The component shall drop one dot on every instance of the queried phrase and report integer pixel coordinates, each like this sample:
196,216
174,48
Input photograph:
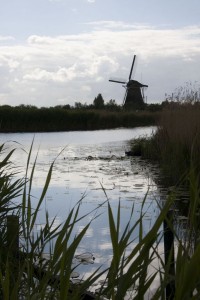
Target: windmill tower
134,94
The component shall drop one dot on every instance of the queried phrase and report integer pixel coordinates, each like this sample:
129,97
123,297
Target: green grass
127,270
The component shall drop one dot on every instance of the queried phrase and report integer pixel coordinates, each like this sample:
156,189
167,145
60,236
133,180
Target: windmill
134,94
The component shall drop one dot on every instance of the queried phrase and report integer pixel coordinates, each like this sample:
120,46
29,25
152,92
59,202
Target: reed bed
176,143
179,139
31,119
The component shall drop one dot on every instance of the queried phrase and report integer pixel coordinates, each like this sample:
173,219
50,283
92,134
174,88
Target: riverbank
176,143
32,119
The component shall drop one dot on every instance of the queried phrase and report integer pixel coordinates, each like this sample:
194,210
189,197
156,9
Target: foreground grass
26,275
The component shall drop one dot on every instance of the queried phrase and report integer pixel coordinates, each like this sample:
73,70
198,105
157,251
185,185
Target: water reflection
92,166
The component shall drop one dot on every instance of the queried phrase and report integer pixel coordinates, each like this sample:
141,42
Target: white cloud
86,88
77,67
61,75
119,25
6,38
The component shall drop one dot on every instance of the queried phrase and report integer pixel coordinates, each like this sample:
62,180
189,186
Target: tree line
98,115
98,103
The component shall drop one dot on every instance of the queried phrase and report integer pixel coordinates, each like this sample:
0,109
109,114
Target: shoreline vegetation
175,145
32,119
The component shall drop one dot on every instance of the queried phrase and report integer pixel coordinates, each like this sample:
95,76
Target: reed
128,272
32,119
176,143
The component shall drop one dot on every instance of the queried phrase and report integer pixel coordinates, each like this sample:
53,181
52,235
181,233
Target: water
91,165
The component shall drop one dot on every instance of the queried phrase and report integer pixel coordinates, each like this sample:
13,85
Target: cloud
44,69
6,38
119,25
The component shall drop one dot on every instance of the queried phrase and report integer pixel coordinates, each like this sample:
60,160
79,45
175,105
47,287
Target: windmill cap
135,83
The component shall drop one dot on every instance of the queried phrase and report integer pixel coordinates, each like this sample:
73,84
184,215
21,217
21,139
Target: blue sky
56,52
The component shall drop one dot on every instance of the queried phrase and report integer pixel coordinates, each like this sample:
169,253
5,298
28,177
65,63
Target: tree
78,105
98,102
112,105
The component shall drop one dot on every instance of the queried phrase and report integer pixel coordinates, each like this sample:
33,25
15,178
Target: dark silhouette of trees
98,102
111,105
25,118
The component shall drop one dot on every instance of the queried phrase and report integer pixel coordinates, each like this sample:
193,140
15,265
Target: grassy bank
32,119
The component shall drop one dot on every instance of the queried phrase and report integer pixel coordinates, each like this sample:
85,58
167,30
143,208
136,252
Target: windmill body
134,94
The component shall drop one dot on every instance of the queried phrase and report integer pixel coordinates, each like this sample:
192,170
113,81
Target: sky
58,52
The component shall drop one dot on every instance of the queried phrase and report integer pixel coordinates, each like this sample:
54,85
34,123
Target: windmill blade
118,81
125,95
132,68
142,90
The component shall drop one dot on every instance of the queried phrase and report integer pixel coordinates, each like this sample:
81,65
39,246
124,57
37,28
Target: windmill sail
112,80
131,71
125,95
118,80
